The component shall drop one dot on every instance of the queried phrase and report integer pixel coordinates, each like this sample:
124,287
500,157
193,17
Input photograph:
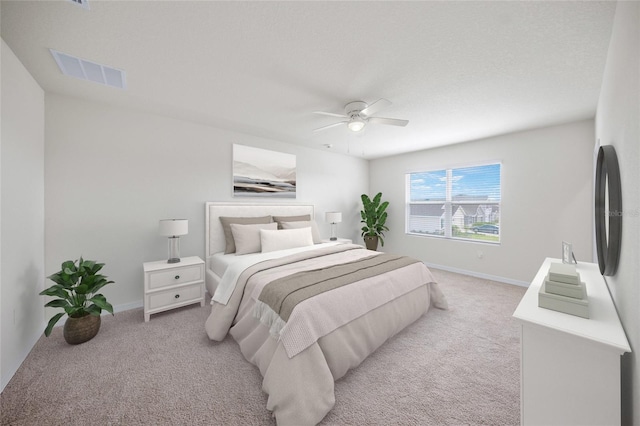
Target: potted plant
76,289
374,217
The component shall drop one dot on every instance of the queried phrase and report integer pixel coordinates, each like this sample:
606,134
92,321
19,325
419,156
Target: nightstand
339,241
172,285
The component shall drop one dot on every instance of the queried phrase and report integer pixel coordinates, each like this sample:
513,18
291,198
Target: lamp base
334,232
174,250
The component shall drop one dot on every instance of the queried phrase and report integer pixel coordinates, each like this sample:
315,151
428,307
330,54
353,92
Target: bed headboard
213,210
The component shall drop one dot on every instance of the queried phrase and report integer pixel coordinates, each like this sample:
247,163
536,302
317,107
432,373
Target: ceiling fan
358,114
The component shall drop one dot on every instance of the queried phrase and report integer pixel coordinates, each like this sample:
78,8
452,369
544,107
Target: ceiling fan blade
392,121
375,107
330,126
331,114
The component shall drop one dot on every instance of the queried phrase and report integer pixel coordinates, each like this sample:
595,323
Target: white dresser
172,285
570,366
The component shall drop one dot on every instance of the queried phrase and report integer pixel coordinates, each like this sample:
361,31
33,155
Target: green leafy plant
76,286
374,216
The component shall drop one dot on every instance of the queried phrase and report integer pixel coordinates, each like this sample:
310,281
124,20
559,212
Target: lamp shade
174,227
333,217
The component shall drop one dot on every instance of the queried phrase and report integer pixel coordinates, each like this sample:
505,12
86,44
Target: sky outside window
427,186
477,182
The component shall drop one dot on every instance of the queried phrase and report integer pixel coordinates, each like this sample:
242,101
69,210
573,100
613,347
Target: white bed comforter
325,335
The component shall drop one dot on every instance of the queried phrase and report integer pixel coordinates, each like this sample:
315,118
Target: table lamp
173,228
333,218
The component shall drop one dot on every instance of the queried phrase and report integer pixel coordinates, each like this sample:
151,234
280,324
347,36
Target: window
462,203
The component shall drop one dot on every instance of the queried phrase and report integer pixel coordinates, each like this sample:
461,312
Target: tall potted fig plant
374,217
76,290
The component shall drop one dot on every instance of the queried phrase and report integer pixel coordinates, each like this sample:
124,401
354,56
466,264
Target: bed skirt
301,388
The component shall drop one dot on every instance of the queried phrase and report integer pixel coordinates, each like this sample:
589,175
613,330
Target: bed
304,314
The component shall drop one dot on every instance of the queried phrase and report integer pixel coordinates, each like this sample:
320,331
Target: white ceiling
458,71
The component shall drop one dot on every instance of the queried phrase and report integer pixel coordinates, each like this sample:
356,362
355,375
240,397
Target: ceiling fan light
356,124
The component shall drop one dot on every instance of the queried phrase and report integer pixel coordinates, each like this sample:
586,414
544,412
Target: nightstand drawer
175,296
175,276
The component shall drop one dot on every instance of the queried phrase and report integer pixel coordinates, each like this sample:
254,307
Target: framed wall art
263,173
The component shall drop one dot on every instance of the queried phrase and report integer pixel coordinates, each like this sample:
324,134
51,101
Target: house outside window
459,203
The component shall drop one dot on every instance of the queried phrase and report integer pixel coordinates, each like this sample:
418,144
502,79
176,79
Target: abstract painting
263,173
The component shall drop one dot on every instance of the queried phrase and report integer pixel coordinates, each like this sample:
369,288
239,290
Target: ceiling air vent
83,3
87,70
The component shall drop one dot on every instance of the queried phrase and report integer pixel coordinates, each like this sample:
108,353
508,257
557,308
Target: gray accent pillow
230,245
281,219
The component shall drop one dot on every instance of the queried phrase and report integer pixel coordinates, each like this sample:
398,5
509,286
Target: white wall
618,124
111,174
546,198
22,217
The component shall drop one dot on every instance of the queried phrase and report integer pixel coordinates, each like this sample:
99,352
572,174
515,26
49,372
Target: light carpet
453,367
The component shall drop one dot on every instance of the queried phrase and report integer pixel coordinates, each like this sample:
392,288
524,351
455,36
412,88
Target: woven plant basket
80,330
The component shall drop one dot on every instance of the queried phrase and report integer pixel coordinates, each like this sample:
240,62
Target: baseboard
116,309
478,275
127,307
8,375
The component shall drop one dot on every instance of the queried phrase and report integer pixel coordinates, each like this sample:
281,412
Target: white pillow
285,239
247,237
304,224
